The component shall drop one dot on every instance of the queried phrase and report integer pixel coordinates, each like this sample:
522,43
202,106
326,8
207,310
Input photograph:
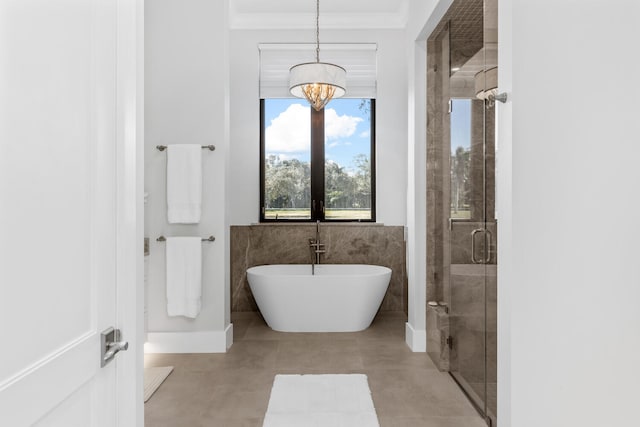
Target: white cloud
365,134
338,143
290,131
339,126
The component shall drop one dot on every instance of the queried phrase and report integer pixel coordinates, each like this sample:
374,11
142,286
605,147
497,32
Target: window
460,123
317,165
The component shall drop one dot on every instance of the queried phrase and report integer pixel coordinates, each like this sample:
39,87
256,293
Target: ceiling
471,27
334,14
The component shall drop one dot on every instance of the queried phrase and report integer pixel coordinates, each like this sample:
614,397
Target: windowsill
323,223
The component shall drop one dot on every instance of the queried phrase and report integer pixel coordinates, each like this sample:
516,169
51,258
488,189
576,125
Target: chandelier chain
318,82
317,30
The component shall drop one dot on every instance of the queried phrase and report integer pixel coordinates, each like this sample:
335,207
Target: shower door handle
473,245
487,246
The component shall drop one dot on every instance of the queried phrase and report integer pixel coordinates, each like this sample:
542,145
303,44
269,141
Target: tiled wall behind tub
345,243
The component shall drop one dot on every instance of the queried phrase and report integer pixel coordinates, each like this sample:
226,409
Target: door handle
473,245
487,245
110,345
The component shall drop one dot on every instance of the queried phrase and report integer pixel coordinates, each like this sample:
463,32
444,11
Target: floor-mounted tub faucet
317,248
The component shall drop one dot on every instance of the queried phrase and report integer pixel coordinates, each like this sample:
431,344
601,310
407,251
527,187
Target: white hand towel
184,276
184,183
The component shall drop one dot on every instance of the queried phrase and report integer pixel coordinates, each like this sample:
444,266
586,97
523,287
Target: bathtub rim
262,270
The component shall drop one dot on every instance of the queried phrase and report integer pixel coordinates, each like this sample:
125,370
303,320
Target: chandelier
318,82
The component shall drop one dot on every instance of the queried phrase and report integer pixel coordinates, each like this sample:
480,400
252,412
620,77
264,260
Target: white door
62,154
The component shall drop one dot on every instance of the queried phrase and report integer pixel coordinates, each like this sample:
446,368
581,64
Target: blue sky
347,130
350,129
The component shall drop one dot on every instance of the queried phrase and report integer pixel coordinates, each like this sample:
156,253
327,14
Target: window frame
317,165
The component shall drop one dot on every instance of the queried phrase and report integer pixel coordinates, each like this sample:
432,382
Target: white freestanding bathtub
338,298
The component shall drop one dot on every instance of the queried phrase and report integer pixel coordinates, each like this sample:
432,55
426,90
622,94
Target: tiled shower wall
262,244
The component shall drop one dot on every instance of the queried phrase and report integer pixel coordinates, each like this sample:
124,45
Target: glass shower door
471,254
471,291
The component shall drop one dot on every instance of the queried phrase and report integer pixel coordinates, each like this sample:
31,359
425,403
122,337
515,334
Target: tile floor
232,389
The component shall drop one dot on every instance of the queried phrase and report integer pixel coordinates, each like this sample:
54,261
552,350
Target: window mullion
317,164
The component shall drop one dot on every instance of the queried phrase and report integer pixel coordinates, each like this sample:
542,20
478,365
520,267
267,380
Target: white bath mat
153,377
320,401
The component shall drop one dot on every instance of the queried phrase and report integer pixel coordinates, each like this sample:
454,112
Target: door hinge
450,106
450,342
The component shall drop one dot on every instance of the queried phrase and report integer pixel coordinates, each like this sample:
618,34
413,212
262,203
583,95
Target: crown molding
335,21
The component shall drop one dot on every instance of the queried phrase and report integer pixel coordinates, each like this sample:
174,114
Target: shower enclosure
461,221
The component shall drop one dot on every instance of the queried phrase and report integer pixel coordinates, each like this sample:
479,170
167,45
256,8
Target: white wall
504,202
418,29
391,111
568,177
567,174
185,100
416,229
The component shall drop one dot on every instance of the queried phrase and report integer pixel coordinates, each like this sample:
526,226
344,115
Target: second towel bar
208,239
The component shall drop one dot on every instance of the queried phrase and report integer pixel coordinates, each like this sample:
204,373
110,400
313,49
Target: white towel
184,276
184,183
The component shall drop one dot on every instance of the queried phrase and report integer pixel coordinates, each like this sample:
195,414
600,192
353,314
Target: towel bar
208,239
208,147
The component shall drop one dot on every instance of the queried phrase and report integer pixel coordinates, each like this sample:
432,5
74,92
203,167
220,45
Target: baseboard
416,339
229,335
190,342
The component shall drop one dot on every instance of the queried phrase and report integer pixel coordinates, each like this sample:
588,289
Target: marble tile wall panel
467,354
476,172
482,198
261,244
471,286
437,162
437,333
492,328
490,163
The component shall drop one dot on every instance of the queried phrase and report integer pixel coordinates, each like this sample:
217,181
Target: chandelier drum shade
317,82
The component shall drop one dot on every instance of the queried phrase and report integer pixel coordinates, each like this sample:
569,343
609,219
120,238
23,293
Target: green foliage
365,107
287,184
